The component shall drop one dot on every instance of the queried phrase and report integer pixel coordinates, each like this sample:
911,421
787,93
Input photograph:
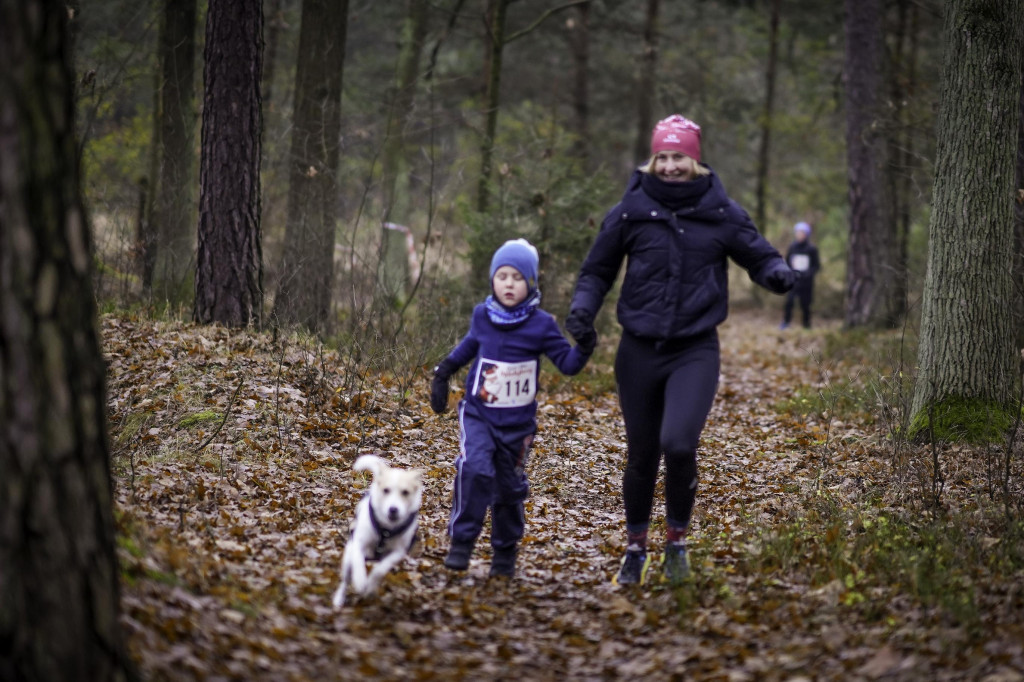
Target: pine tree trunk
229,270
1018,232
274,22
966,355
496,45
645,85
764,151
579,40
174,208
59,594
273,165
406,78
871,252
307,268
900,140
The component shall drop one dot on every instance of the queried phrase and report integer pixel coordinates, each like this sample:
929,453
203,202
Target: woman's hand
779,281
580,324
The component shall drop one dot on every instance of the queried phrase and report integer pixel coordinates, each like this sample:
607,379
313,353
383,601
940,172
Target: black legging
666,390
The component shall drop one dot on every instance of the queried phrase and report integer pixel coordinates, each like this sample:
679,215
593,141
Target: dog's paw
339,597
358,584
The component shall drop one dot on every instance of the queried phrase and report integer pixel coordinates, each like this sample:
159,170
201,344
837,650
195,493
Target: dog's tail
369,463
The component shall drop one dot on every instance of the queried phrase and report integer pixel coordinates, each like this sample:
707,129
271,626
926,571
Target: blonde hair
699,169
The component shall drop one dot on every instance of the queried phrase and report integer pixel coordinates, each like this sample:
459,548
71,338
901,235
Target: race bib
800,262
505,384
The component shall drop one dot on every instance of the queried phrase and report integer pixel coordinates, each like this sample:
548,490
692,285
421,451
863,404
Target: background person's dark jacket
805,248
676,282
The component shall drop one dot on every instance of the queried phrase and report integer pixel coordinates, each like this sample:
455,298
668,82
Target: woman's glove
580,324
587,342
781,280
439,392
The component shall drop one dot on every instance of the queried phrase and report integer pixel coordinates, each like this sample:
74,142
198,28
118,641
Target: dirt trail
232,552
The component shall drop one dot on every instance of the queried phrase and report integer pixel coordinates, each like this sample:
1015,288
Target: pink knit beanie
678,134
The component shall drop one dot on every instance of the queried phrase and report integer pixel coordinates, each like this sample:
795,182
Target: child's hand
439,394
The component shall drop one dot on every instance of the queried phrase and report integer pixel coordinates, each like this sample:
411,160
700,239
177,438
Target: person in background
508,333
802,256
677,228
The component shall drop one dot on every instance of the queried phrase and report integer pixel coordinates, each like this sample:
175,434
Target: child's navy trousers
490,472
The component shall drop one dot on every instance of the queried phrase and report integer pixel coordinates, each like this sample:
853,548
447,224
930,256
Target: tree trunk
645,85
229,271
1018,216
764,151
497,11
900,141
870,253
273,16
307,268
414,32
966,356
59,594
496,44
173,218
579,42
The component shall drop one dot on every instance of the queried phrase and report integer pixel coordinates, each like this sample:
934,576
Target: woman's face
509,286
674,167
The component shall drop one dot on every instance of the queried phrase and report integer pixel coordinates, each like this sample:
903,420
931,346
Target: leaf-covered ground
233,457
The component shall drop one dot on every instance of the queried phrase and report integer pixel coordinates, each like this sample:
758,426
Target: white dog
387,519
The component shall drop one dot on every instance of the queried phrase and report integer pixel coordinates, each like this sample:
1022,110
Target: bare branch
542,18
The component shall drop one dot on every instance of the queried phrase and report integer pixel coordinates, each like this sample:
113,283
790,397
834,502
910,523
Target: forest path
231,552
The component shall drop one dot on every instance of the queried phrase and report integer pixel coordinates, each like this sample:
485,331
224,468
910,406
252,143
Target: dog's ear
418,473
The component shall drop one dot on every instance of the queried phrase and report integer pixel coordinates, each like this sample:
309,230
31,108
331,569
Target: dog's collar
388,533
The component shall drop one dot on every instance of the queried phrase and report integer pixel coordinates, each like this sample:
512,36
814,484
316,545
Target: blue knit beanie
520,254
802,227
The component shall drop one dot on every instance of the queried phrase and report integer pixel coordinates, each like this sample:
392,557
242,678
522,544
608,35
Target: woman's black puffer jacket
676,282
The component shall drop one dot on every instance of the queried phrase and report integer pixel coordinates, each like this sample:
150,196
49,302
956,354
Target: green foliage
115,49
131,426
879,385
871,348
200,419
543,193
134,553
865,377
964,420
937,561
846,399
115,161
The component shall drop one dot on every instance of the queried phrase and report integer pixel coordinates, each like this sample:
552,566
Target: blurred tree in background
304,293
168,236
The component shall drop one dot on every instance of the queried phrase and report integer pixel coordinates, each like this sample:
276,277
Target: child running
508,333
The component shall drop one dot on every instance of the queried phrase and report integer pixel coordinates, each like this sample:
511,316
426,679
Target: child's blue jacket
501,385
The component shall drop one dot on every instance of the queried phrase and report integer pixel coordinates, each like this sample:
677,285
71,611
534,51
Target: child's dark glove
580,323
439,392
